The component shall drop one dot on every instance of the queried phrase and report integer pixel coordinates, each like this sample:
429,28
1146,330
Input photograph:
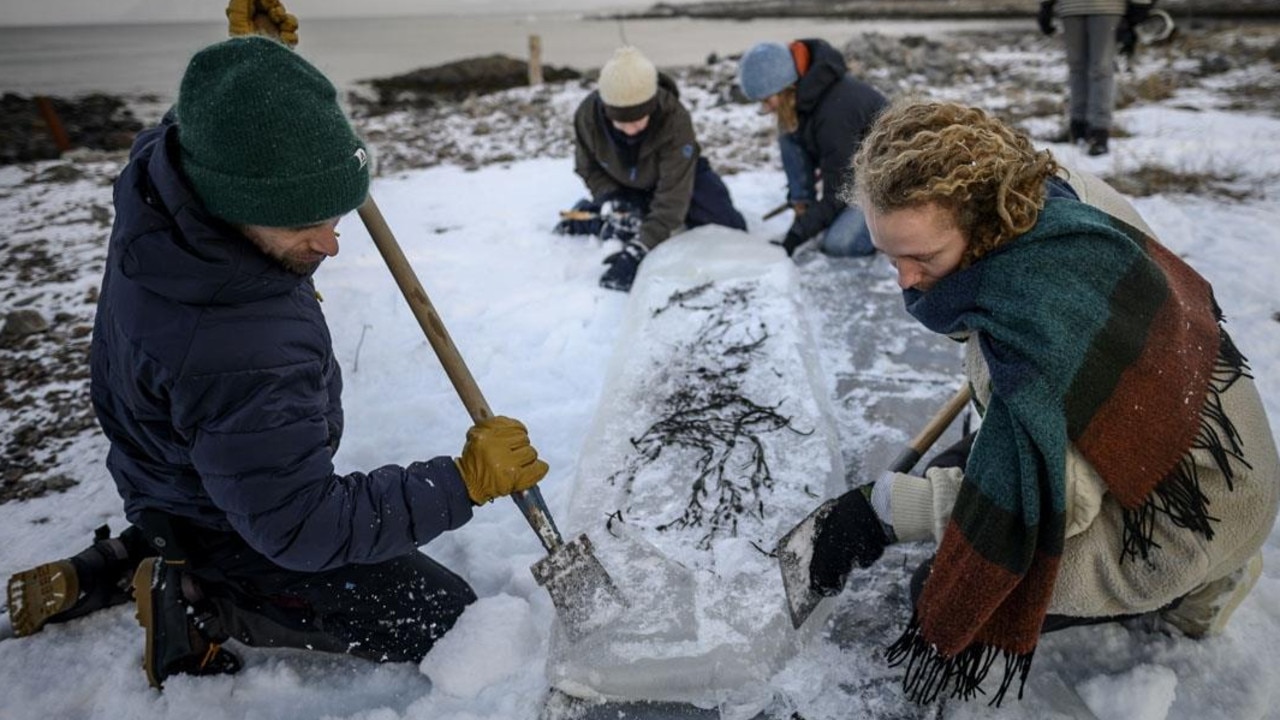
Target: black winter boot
97,577
1073,133
1098,141
175,642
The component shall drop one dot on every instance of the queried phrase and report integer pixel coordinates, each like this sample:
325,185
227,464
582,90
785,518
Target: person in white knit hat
637,153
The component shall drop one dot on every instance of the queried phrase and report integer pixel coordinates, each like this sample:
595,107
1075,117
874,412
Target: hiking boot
174,643
96,578
1072,133
1098,142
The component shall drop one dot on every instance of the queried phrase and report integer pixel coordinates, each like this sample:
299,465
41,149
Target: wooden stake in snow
535,60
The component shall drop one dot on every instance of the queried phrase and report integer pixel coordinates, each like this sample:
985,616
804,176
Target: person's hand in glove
850,532
1045,18
790,241
583,219
498,460
622,267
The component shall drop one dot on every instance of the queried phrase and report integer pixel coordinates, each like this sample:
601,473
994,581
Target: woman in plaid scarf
1124,465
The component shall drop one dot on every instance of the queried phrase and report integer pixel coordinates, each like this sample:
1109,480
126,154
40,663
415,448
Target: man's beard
299,263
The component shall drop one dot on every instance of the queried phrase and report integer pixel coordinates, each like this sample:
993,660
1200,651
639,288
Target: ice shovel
795,549
584,595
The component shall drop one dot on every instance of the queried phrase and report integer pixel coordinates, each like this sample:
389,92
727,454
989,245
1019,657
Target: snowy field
538,333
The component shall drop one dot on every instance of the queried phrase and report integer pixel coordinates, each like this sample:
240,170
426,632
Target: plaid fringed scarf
1095,335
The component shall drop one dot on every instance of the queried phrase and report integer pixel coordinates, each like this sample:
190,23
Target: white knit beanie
628,80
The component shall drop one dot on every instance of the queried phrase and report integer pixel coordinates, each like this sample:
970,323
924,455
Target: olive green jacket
664,163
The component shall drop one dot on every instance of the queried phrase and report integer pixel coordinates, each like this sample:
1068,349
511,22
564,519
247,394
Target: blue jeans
847,235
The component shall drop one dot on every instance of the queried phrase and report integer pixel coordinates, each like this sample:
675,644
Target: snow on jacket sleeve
262,449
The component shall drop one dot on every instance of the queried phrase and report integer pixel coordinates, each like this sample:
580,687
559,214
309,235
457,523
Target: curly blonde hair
987,174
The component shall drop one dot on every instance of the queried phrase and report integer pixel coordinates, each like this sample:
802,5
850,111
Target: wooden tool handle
928,435
530,501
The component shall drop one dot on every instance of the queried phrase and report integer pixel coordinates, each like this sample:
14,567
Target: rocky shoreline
1181,10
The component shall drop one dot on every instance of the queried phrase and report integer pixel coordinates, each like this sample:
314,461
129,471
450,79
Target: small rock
21,323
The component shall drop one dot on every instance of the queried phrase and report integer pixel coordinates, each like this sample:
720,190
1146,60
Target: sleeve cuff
912,505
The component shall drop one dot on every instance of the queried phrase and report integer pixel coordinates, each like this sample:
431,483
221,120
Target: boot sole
38,594
143,583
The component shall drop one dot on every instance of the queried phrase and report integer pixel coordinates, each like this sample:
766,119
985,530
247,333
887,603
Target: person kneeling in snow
1124,465
823,113
214,379
636,151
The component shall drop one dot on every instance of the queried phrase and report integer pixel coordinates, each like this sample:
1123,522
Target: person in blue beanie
214,379
823,113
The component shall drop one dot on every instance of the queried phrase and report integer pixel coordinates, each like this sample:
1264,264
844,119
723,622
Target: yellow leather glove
262,17
498,460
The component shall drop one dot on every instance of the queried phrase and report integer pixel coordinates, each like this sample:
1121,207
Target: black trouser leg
392,611
711,203
389,611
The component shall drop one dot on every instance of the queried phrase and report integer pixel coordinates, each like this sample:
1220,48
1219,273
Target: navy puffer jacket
215,381
835,110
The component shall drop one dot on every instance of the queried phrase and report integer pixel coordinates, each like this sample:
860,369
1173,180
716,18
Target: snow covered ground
524,308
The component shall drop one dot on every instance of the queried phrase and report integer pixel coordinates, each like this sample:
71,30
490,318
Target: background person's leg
1075,39
1100,37
848,235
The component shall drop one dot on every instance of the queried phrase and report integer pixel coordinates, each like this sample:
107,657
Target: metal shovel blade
581,590
795,551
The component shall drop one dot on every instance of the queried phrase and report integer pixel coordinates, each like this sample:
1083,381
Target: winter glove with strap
262,17
850,532
498,460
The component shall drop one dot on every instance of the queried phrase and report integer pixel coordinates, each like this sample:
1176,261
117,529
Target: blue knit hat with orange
263,139
766,69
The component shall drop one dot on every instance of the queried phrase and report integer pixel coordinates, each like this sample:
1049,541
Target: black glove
1136,13
581,225
791,241
622,267
1045,18
1126,38
849,533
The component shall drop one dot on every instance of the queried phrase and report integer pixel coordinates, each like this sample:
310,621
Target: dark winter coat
835,112
662,163
213,376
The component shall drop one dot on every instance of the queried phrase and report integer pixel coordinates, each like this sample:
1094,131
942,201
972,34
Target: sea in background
149,59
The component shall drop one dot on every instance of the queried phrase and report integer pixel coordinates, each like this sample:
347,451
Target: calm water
150,58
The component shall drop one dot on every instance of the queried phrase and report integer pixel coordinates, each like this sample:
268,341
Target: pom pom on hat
263,139
766,69
628,85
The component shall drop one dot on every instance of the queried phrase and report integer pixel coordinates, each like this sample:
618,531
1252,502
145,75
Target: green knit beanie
263,139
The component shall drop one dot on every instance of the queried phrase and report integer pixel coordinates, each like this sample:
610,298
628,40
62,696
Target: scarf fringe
1179,495
929,674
